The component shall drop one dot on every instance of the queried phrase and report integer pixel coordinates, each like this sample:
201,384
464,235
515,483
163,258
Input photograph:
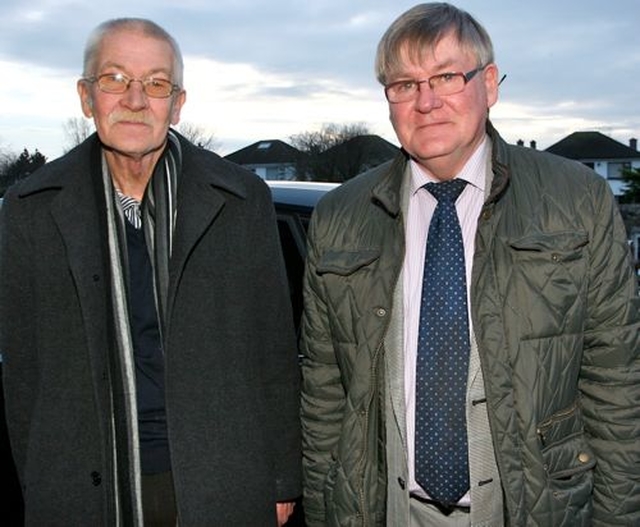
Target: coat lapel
198,205
201,198
76,212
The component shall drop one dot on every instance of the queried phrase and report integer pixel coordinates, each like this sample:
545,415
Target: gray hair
139,25
421,28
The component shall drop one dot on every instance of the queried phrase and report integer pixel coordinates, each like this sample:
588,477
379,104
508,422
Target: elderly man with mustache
150,359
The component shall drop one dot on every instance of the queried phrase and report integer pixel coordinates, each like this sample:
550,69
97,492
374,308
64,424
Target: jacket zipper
555,418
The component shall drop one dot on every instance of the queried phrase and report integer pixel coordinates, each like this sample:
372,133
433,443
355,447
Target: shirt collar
131,209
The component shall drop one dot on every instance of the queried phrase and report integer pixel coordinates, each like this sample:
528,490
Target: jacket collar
387,192
499,164
86,156
69,172
197,170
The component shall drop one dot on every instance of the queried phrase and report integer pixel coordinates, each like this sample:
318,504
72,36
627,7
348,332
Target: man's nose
135,97
426,99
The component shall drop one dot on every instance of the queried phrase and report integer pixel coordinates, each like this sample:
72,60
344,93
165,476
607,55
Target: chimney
533,145
633,143
520,142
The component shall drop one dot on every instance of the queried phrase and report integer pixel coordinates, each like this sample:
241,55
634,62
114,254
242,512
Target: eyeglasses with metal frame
447,83
115,83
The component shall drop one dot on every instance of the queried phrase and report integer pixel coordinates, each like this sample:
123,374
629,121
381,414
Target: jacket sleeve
323,396
610,373
17,328
279,370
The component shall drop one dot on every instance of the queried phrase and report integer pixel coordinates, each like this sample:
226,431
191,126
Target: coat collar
206,183
70,172
387,192
499,164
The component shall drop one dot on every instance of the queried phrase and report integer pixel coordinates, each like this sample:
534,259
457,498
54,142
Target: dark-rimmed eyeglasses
119,83
441,84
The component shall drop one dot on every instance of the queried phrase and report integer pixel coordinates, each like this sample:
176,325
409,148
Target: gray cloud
583,57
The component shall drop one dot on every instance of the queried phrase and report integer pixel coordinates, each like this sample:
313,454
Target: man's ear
180,99
86,101
491,84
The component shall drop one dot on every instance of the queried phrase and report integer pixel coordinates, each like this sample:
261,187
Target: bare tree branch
198,136
317,163
76,130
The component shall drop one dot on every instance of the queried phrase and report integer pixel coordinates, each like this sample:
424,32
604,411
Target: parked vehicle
294,202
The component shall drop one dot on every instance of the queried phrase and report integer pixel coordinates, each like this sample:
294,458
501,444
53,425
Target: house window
614,170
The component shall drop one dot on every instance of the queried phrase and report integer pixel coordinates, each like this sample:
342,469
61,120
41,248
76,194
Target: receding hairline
141,26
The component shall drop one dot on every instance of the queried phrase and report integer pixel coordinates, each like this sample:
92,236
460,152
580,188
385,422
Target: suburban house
603,154
270,159
355,156
277,160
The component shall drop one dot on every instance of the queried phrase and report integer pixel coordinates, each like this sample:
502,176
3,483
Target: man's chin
134,149
430,151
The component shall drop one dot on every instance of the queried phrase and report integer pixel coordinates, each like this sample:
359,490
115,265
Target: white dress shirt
420,210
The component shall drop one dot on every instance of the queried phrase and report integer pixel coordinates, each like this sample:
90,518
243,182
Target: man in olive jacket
553,387
150,364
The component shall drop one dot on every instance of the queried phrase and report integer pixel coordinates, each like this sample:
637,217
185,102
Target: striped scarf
159,212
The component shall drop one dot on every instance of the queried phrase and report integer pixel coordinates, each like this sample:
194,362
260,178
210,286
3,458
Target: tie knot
447,190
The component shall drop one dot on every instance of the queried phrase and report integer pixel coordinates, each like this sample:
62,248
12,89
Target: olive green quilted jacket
556,316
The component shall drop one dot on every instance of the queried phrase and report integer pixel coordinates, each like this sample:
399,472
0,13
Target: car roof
299,193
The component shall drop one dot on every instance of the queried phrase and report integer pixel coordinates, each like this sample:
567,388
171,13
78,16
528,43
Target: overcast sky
258,69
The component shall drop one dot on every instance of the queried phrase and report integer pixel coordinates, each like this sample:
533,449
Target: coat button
583,457
96,478
381,312
402,483
486,215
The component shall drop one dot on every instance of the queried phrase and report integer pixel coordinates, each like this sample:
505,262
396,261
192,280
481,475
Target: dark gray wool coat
231,370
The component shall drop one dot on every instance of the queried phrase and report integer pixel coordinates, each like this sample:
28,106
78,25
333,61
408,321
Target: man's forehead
114,49
123,36
444,53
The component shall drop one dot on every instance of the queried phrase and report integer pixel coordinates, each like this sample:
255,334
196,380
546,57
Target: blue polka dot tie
441,459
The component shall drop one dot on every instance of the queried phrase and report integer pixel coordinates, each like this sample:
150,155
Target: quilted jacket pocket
568,463
347,276
548,281
563,246
344,263
564,447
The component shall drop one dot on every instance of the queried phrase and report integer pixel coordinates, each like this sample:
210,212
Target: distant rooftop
265,152
373,148
593,145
